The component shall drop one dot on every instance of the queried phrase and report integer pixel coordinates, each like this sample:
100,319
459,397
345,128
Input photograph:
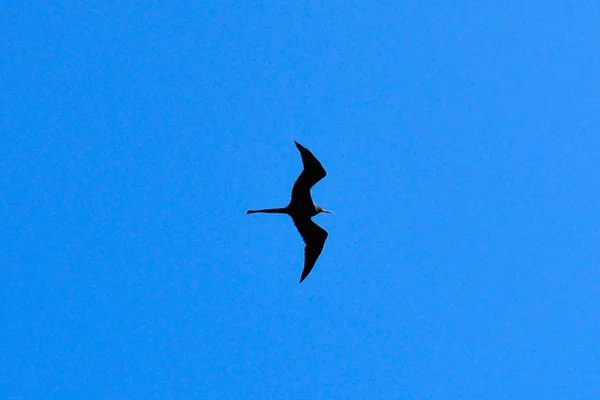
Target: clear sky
461,143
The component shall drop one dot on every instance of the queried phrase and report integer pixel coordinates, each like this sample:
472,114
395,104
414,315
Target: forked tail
269,210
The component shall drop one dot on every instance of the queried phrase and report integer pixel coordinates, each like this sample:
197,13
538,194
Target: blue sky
461,144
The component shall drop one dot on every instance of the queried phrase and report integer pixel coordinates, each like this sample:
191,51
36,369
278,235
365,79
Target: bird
302,208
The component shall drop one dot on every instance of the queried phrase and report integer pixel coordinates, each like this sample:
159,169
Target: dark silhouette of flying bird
302,209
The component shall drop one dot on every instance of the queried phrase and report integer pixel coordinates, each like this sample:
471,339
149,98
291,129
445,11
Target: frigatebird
302,209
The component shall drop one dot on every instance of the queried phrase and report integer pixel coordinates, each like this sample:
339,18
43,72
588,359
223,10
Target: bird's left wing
312,173
314,236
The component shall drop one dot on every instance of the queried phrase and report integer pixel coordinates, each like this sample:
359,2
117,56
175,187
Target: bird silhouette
302,208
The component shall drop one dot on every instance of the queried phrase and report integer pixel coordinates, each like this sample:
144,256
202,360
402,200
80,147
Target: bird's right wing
314,236
312,173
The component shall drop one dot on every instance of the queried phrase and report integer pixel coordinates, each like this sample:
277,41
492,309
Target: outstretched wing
314,236
312,173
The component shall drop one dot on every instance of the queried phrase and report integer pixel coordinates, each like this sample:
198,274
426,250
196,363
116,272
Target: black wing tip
305,273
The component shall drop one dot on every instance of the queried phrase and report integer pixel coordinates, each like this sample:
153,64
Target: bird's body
302,208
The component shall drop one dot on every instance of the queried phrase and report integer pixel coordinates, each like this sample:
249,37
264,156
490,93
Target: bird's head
322,210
